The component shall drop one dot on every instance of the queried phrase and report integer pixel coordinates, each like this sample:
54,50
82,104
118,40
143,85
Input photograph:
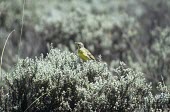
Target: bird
83,53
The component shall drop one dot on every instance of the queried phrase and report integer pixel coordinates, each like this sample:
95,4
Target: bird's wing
89,54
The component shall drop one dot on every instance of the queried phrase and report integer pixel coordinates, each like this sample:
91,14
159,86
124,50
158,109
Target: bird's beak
76,42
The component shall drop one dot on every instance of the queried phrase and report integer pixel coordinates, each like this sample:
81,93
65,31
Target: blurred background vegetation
136,32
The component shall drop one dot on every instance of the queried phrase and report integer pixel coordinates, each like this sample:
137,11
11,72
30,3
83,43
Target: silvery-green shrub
62,82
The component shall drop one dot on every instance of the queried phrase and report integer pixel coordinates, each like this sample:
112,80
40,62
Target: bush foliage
62,82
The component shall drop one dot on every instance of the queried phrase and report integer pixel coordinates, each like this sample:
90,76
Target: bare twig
134,51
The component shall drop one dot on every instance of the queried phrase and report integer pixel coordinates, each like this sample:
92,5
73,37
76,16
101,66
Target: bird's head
79,45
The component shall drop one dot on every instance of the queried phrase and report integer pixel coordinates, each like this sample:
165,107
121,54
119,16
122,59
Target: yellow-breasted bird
83,53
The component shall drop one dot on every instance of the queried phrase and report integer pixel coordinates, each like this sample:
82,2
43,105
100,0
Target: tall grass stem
22,25
3,53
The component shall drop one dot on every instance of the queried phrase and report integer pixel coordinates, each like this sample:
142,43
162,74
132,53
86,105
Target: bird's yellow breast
83,54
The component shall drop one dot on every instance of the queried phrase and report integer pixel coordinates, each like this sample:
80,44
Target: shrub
157,59
62,82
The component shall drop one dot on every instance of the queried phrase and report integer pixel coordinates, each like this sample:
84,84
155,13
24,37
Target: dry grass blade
3,52
34,102
22,25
